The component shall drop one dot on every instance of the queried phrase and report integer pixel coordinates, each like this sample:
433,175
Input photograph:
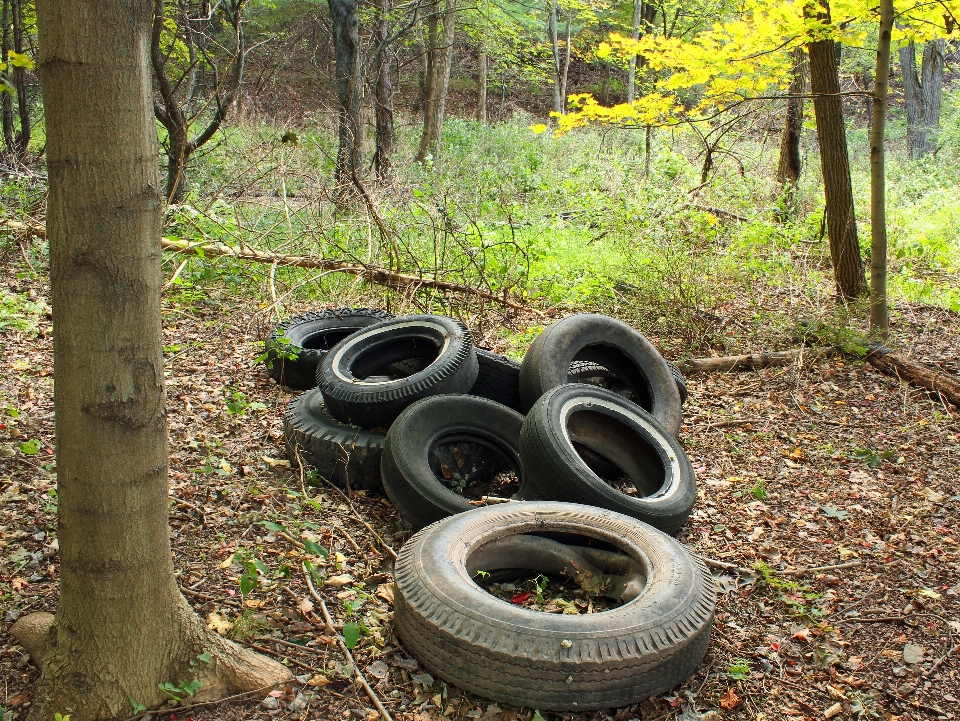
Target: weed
739,670
759,490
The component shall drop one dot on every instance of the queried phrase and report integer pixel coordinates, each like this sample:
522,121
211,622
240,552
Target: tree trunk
178,156
566,70
20,83
482,87
558,104
385,129
790,165
429,80
6,101
835,165
879,320
122,626
922,95
344,17
442,82
632,67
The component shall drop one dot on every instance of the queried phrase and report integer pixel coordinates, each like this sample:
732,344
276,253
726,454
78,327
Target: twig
942,659
214,702
176,273
376,535
346,651
853,605
717,564
206,597
816,569
295,662
728,424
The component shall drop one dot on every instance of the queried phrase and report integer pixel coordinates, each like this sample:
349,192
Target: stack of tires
582,431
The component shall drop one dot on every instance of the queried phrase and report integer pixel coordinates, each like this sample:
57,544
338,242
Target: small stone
298,704
912,653
906,689
834,710
270,703
305,678
12,615
711,716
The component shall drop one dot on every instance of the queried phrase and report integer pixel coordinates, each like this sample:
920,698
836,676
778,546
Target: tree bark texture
384,97
922,94
444,65
835,166
558,104
22,141
174,107
879,319
791,163
121,626
344,16
482,62
6,101
430,79
566,70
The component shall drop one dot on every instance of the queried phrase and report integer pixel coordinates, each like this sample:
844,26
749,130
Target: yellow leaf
538,128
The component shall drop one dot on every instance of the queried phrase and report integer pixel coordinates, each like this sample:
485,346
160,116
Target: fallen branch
899,366
380,276
817,569
755,360
35,229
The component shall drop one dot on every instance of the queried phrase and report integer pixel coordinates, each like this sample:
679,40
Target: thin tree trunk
879,320
632,67
384,113
558,104
122,626
482,87
647,146
344,17
790,165
922,94
20,83
566,70
429,80
835,166
444,65
6,101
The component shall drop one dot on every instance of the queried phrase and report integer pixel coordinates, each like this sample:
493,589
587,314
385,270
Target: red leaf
521,597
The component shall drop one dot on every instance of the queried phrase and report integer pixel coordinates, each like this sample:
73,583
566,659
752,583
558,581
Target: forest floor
828,507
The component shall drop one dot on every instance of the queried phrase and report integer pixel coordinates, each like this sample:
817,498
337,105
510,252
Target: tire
578,440
597,375
609,343
353,397
346,456
546,661
419,474
309,337
498,379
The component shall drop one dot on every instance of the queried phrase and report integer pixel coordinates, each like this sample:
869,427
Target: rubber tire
344,455
546,661
498,379
311,329
409,481
619,433
377,404
587,372
607,342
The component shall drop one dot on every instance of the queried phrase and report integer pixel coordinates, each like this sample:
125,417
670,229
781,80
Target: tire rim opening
326,339
473,466
623,375
557,573
617,454
398,358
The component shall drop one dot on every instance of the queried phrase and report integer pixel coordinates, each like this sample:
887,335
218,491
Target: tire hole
326,339
473,467
399,358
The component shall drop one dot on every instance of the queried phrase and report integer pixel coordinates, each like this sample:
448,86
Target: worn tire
342,454
577,433
597,375
612,344
310,336
444,343
545,661
498,379
409,464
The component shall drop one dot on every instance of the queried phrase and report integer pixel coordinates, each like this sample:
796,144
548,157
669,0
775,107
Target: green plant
739,670
282,349
60,717
874,459
238,405
178,691
759,490
351,634
138,708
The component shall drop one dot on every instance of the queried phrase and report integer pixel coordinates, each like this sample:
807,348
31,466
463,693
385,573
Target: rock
912,654
711,716
906,689
270,703
834,710
298,704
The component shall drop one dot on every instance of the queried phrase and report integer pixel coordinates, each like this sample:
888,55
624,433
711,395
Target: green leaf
315,548
258,406
271,526
261,566
831,512
248,582
138,708
205,657
30,448
351,634
537,717
192,687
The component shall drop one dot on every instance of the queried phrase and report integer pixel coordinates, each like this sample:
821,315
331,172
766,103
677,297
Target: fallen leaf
834,710
319,681
18,700
730,700
520,597
931,495
339,581
216,622
229,561
305,606
275,462
385,591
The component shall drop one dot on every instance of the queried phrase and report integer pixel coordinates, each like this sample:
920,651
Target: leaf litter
829,520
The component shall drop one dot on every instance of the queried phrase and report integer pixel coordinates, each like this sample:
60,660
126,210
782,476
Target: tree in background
439,61
122,627
198,64
344,18
15,62
922,94
879,318
790,164
386,136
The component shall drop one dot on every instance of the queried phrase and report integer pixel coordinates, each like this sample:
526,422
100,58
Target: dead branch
899,366
755,360
380,276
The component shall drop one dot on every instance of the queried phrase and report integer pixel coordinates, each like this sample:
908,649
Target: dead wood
904,368
755,360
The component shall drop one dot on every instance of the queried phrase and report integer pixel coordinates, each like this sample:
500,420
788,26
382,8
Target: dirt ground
828,506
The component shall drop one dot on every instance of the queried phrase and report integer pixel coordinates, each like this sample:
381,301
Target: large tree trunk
790,165
429,80
835,165
482,62
444,65
122,626
558,104
922,95
385,129
879,320
344,17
